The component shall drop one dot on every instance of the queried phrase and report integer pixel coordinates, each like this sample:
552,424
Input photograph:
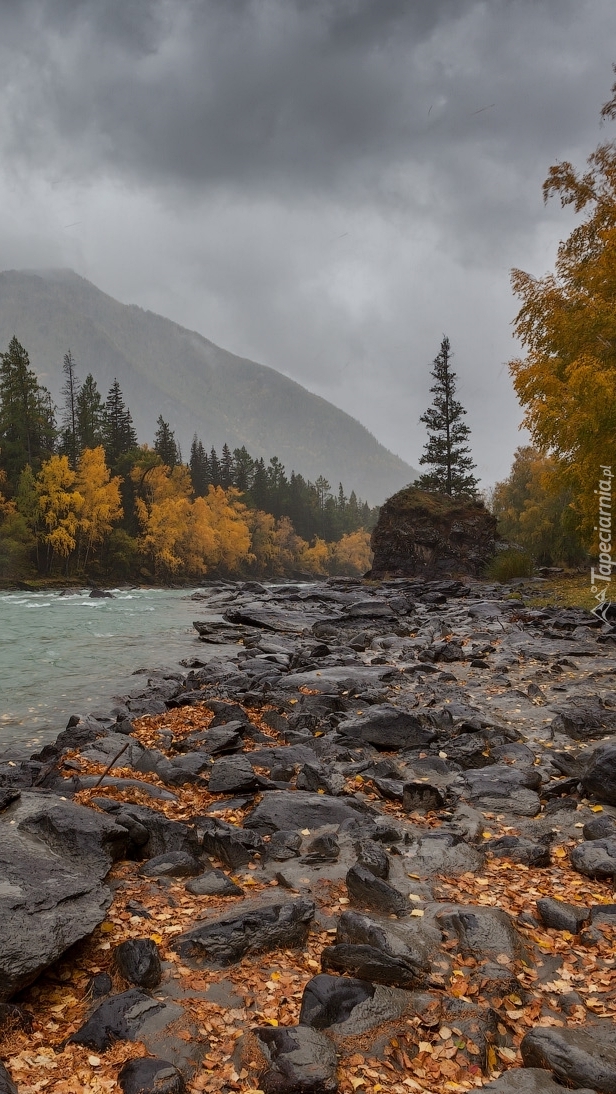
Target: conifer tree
27,414
199,468
214,468
243,469
119,434
69,443
226,467
445,450
165,443
90,414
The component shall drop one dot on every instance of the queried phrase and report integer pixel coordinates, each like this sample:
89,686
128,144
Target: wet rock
371,964
117,1019
233,846
423,534
163,834
527,1080
562,916
171,864
368,891
328,1000
283,846
322,849
584,718
213,883
292,1060
315,776
600,828
215,741
482,932
149,1075
99,985
421,797
233,776
372,857
387,727
283,810
251,929
7,1086
533,853
53,858
443,854
596,858
599,777
137,960
576,1058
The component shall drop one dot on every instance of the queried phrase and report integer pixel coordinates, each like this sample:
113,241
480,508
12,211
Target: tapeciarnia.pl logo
602,576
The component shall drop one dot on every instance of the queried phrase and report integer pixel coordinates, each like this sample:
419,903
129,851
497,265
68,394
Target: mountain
196,386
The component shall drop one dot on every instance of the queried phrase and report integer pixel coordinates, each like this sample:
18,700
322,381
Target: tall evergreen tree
165,443
90,414
27,414
199,468
445,450
118,430
226,467
243,469
214,467
69,437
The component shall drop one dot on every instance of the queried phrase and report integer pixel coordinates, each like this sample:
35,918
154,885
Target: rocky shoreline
375,850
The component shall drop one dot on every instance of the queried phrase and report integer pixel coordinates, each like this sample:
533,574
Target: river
70,654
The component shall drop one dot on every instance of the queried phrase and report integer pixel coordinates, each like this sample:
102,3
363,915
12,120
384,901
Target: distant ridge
197,386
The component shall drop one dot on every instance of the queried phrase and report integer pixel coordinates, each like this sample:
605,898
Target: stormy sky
325,186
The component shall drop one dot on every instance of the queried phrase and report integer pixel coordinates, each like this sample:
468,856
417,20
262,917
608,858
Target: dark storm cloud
323,185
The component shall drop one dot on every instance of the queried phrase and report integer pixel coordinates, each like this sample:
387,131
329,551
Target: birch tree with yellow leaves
567,325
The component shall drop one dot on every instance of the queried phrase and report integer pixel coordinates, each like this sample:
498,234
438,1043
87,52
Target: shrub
509,564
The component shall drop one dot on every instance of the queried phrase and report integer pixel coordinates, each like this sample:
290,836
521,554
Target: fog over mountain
198,387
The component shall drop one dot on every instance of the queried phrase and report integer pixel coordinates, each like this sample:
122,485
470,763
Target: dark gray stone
171,864
7,1086
576,1057
373,965
322,849
527,1080
117,1019
562,916
599,777
232,845
603,827
163,834
368,891
149,1075
138,962
213,883
251,929
421,797
328,1000
233,775
597,858
283,846
534,853
482,932
372,857
54,856
298,1060
387,727
284,809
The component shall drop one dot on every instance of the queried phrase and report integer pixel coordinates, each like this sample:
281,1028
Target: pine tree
165,443
90,414
214,468
27,414
199,468
119,434
243,469
226,467
69,444
445,451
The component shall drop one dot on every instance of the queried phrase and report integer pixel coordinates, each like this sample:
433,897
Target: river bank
377,827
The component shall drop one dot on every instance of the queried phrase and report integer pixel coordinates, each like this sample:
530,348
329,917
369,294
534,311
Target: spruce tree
69,442
243,469
118,430
214,467
27,414
226,467
199,468
165,443
445,450
90,414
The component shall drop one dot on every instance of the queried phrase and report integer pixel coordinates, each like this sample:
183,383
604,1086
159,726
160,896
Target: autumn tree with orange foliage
567,324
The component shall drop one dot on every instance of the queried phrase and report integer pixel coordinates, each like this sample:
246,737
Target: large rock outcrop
420,534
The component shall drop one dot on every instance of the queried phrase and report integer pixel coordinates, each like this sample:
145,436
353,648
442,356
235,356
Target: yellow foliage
352,554
59,504
315,559
100,494
567,324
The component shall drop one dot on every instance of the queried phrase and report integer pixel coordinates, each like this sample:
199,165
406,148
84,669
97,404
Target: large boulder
54,856
424,534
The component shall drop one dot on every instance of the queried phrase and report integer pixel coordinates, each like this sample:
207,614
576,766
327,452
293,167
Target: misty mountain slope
197,386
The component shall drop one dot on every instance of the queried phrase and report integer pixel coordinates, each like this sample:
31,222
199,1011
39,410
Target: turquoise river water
63,655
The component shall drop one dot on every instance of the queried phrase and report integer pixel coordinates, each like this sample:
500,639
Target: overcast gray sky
326,186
